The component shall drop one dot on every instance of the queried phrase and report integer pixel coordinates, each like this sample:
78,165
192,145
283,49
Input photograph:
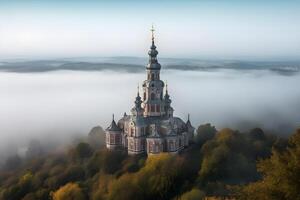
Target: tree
82,151
281,175
161,177
205,132
227,158
125,188
257,134
13,162
96,137
70,191
194,194
19,190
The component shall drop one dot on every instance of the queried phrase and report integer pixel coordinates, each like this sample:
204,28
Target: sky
205,29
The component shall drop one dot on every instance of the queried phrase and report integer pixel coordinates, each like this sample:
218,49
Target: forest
220,164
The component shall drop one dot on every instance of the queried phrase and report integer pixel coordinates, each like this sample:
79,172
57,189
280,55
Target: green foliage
125,188
281,175
217,162
19,190
205,132
82,151
228,158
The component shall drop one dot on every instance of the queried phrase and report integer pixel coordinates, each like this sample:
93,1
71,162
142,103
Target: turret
190,129
137,110
168,109
113,135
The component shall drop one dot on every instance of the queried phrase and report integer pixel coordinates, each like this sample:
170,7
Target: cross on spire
152,32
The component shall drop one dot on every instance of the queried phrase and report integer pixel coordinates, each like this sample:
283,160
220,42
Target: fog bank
58,104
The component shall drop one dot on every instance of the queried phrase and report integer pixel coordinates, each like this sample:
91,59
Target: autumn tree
281,175
70,191
194,194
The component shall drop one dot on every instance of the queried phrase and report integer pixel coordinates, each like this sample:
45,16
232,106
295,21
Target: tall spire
152,31
188,122
153,63
167,99
138,99
167,88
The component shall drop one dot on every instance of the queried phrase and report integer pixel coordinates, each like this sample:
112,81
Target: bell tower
153,102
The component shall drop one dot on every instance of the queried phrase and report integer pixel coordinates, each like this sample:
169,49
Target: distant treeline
131,65
219,164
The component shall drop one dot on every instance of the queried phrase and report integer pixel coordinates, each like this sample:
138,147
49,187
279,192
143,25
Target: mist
58,105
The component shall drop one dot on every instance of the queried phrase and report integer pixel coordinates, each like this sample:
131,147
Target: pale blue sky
220,29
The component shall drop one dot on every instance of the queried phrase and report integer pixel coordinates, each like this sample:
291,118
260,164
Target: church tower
151,127
153,101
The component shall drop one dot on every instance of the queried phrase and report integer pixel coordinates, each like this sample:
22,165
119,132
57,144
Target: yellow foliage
194,194
70,191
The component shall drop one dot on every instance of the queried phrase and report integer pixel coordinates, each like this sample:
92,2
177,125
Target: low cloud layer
58,104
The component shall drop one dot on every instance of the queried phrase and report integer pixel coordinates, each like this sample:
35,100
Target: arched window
144,95
152,76
152,96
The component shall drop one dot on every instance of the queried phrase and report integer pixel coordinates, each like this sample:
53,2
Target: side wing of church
151,128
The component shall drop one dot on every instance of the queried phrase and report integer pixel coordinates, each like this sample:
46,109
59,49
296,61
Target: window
144,95
112,139
157,108
118,139
152,108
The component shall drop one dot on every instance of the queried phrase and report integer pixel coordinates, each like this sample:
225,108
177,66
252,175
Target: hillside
220,163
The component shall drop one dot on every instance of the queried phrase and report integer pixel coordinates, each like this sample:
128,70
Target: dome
154,65
152,52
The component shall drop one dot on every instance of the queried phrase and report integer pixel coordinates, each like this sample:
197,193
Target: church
151,127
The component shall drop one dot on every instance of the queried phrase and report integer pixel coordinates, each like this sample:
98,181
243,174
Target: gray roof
113,126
